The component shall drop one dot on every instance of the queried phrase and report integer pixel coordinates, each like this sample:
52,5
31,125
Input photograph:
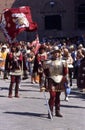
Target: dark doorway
53,22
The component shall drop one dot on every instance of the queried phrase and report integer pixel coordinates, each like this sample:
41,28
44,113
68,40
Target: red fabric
41,58
20,57
65,71
16,20
52,86
54,99
15,79
36,43
11,56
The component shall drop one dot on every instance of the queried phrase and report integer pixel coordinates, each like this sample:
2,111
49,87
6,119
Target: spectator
81,72
3,55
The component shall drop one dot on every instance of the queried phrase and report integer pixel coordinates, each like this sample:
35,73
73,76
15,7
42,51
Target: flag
16,20
36,43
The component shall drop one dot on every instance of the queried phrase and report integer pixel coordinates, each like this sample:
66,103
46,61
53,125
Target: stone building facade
55,18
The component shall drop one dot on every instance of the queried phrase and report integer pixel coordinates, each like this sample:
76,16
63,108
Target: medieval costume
57,70
14,66
40,57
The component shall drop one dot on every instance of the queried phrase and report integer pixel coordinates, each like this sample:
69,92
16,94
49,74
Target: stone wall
42,8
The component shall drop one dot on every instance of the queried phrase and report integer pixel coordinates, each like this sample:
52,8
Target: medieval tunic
56,79
14,63
14,66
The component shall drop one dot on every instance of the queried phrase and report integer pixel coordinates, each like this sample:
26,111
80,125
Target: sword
48,108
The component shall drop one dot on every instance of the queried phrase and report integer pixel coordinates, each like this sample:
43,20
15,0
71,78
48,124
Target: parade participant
57,70
38,65
14,66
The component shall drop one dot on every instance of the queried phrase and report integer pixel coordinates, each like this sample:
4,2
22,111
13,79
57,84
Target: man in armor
57,69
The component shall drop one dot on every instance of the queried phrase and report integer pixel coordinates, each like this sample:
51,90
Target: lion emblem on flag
20,20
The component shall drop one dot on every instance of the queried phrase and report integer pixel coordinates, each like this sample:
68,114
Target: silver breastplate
56,68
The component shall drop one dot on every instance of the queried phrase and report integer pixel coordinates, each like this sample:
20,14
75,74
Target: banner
36,44
16,20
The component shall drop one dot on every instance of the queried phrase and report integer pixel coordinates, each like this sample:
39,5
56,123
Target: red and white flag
16,20
36,44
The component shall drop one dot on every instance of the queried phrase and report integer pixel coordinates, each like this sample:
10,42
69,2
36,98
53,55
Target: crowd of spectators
72,50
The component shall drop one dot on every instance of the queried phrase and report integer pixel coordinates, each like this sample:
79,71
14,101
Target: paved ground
29,112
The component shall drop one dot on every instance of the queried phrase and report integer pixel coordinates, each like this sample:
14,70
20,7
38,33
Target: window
53,22
81,16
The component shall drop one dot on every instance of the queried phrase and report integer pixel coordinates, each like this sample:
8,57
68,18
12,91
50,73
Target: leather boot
10,91
10,95
16,90
58,114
